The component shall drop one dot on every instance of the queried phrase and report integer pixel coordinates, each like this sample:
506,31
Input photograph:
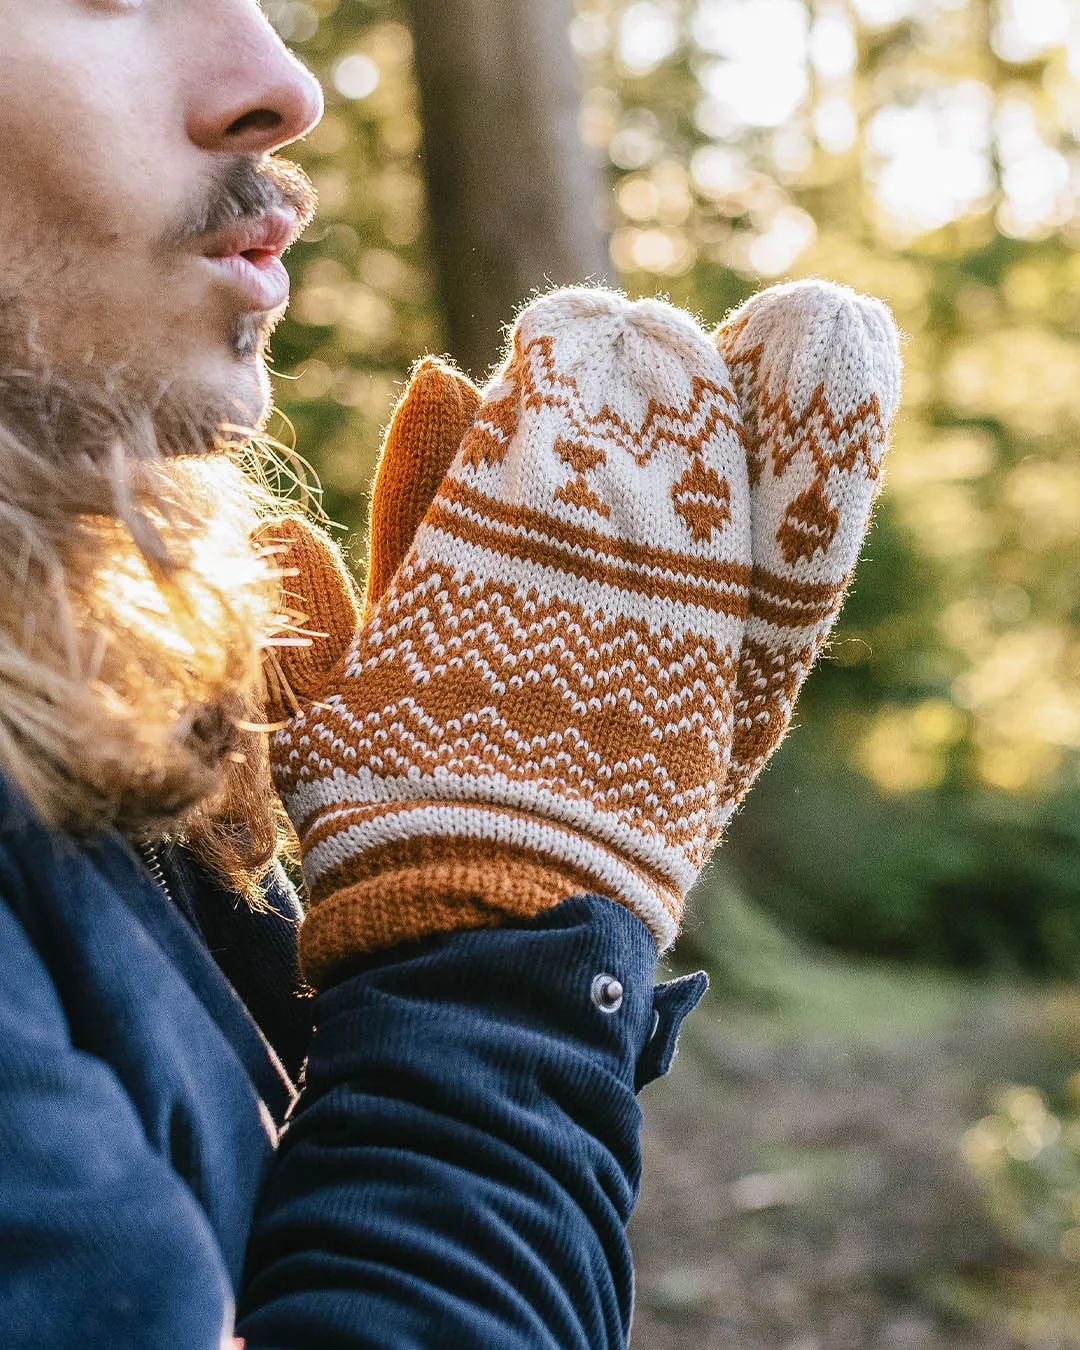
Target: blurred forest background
927,810
925,151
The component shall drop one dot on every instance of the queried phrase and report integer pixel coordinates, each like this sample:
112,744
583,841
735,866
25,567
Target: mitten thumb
427,426
319,599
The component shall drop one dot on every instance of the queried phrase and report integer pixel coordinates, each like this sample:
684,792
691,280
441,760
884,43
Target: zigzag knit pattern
558,691
817,370
542,700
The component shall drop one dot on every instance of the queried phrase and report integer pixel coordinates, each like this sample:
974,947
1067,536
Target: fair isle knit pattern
541,703
817,371
597,636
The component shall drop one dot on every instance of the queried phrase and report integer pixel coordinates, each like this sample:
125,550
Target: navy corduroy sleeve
466,1153
459,1172
101,1242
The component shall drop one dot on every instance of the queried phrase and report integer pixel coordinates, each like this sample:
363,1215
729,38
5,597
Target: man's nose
251,96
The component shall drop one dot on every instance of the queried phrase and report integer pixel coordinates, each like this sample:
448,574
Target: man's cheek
74,162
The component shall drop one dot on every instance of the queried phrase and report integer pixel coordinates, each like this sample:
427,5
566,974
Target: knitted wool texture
817,372
552,693
424,434
319,597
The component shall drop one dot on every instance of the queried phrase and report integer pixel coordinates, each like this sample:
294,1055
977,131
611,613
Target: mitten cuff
417,887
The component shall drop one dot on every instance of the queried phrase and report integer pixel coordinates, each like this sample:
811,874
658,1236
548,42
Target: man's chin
250,388
227,398
250,334
211,393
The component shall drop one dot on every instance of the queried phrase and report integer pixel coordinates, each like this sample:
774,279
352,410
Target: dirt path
803,1185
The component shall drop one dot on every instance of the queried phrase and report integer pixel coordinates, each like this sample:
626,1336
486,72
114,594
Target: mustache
248,187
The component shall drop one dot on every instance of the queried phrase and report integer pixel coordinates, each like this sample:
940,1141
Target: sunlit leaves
648,34
363,302
1025,1154
759,76
944,137
356,76
1027,29
892,145
929,160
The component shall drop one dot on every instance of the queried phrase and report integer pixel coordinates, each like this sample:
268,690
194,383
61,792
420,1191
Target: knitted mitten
817,371
543,701
422,438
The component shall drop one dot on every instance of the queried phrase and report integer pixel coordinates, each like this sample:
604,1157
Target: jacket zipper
149,855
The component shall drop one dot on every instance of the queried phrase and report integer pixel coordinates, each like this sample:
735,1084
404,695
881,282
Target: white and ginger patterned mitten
817,372
543,700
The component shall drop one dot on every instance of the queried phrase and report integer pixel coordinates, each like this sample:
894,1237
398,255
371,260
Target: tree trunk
513,194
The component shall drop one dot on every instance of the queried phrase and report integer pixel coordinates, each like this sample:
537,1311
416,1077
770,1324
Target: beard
135,608
187,414
249,337
134,605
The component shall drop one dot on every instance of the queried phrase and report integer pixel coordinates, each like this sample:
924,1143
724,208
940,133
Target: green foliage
967,878
363,306
1026,1155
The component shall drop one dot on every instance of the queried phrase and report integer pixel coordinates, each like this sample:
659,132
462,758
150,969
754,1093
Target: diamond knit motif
817,370
703,499
809,525
549,677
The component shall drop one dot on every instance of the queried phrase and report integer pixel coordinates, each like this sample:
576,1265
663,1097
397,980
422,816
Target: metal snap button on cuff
607,993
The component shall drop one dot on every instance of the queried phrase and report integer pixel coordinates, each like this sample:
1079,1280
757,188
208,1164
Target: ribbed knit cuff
415,889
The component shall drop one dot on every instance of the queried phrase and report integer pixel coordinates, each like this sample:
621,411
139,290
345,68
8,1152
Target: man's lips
247,256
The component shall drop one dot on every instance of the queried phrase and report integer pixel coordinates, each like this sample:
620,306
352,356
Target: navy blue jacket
457,1168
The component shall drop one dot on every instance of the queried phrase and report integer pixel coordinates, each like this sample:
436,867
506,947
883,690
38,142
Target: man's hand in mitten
543,701
817,372
427,427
